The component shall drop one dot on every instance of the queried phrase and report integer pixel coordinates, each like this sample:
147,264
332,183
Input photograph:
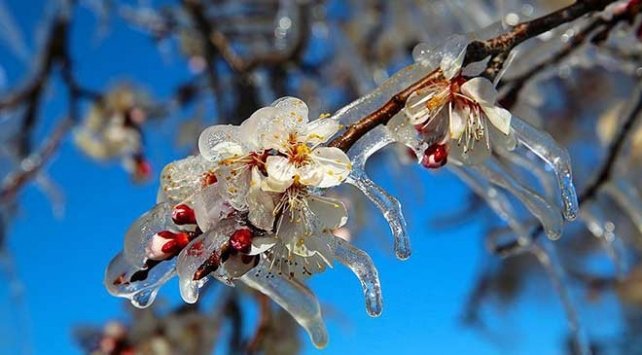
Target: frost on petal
293,296
210,208
182,178
360,263
200,259
481,90
556,156
453,55
220,142
293,107
334,163
260,204
138,285
320,131
499,117
141,232
331,213
280,174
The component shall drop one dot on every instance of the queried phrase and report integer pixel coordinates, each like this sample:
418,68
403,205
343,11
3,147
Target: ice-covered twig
383,104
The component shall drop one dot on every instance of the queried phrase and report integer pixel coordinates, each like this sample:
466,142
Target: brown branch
32,164
265,315
587,33
476,51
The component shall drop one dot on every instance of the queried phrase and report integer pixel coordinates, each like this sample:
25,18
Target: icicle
143,291
547,215
496,200
388,205
545,253
293,296
361,264
627,196
532,167
544,146
140,233
597,223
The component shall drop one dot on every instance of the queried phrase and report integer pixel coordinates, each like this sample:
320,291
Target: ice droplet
141,292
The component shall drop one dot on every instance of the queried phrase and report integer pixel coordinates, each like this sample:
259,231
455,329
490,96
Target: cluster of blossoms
250,208
112,130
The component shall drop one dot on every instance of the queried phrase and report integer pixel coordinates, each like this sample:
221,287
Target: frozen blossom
250,208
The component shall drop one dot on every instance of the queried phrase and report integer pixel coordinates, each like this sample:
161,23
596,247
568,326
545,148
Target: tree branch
476,51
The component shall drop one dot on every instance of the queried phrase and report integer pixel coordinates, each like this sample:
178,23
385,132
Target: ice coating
210,207
140,233
363,106
547,214
544,146
598,224
293,296
627,196
182,178
195,254
213,136
531,166
547,256
387,204
141,293
361,264
496,200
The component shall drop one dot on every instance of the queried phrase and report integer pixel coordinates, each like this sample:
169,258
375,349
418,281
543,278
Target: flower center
299,154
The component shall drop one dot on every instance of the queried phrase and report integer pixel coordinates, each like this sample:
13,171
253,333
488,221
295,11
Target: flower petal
260,204
280,174
499,117
142,231
262,244
331,212
320,131
457,122
183,178
453,56
335,164
220,142
250,128
481,90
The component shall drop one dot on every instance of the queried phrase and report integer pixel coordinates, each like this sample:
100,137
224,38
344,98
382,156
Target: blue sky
60,261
